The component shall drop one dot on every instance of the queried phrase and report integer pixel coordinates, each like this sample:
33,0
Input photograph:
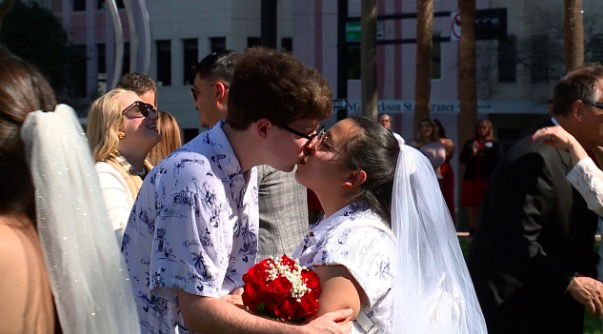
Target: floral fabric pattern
193,227
358,239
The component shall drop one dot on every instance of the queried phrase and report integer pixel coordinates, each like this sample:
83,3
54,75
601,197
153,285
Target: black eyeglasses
321,135
319,131
144,109
594,104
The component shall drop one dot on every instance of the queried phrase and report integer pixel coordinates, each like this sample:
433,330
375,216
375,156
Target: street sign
455,26
489,24
353,31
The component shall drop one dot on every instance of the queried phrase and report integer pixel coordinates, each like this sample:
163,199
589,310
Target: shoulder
104,167
107,174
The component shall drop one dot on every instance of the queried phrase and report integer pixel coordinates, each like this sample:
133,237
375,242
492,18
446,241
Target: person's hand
475,147
235,297
561,139
588,292
556,136
335,322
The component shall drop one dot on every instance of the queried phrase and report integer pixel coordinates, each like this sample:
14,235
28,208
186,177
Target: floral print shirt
193,228
358,239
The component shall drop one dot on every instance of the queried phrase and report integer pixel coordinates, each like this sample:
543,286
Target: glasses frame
144,108
594,104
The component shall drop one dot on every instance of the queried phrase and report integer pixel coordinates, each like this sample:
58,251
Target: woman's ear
355,178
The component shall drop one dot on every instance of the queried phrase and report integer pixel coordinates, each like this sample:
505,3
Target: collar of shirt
348,213
222,152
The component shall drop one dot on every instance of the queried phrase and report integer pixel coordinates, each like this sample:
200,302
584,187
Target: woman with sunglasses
386,246
122,130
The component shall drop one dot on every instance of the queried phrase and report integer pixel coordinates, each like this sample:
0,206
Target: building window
253,41
190,51
217,43
436,57
507,59
353,61
287,44
595,46
101,58
100,4
79,72
164,62
539,58
79,5
125,65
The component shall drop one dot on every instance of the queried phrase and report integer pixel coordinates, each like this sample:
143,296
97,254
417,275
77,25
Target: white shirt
117,197
193,228
358,239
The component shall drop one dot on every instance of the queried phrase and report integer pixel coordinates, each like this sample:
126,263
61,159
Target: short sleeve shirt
358,239
193,227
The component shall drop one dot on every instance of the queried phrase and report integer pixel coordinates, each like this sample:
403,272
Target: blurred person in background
479,155
122,130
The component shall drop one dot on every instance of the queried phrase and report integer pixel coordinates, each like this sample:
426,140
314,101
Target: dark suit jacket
535,234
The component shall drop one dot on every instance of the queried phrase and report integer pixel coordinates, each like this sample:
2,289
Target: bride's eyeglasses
139,109
321,141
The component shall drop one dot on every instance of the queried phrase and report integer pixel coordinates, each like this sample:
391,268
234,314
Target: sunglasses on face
195,94
139,109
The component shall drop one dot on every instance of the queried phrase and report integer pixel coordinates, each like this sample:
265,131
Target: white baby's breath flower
298,286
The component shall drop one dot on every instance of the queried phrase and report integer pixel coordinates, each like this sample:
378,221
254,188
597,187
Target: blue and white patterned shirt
193,227
358,239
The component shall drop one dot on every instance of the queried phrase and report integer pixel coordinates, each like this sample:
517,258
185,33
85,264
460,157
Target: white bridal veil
87,274
433,291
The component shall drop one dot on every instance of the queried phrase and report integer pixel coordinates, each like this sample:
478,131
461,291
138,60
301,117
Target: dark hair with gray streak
579,84
374,150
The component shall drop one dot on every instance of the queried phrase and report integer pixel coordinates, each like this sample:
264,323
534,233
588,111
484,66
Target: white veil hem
87,274
433,292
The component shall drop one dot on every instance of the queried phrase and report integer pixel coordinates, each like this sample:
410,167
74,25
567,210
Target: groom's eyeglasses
320,130
139,109
594,104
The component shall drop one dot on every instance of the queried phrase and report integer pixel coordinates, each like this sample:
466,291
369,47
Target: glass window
507,59
164,62
217,43
190,51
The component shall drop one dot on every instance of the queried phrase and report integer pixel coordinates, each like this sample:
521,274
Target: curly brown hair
275,85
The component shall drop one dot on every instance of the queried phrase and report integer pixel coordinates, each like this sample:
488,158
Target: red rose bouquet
281,288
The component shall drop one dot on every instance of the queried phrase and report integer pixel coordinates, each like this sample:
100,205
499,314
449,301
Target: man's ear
577,109
355,179
221,90
261,126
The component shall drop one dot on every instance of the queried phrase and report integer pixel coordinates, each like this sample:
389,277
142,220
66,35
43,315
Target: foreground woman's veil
87,273
433,291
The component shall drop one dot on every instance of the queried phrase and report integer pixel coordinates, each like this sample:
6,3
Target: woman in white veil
413,280
51,209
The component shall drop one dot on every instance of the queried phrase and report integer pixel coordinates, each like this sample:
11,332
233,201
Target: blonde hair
171,138
104,121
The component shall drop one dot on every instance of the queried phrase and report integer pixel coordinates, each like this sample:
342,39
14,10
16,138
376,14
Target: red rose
268,291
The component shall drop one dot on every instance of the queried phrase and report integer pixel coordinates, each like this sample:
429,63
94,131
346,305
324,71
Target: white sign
455,26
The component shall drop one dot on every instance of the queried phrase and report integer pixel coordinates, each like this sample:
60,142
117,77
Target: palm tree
368,59
423,59
467,86
573,34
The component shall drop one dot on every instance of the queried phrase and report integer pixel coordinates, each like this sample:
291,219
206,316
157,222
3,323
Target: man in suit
532,256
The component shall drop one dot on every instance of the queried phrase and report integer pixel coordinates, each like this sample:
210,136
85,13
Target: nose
153,115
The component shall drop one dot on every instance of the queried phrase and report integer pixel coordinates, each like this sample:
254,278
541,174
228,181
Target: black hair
374,150
218,65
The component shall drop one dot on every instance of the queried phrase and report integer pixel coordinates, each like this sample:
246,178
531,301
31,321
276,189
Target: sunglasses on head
142,108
